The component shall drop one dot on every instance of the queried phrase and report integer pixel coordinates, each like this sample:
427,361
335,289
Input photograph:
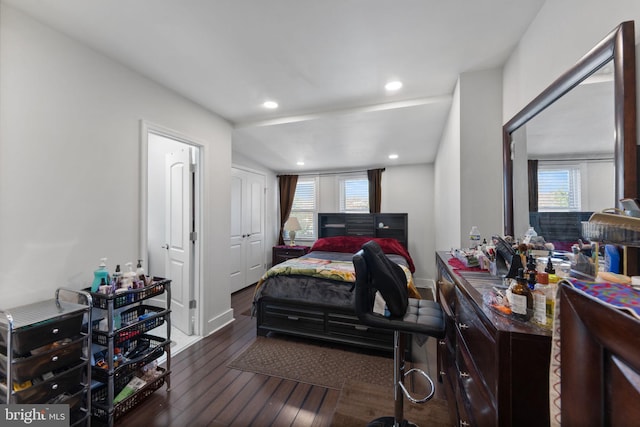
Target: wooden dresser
494,370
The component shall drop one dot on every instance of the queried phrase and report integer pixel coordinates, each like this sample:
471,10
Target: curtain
287,187
532,167
375,189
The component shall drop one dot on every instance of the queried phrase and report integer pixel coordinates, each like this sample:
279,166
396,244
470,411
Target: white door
237,248
179,245
247,228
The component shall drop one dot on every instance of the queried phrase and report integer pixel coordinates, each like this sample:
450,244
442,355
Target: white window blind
305,208
354,193
558,188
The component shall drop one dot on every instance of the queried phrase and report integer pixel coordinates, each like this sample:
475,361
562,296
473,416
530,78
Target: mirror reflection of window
558,188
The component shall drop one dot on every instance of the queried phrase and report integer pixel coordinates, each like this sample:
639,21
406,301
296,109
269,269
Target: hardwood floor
204,392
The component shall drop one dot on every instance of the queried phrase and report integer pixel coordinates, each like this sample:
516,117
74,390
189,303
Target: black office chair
375,272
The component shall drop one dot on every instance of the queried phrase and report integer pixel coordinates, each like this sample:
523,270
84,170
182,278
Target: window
354,193
558,188
305,208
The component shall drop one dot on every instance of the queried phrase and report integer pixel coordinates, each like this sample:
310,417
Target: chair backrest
376,272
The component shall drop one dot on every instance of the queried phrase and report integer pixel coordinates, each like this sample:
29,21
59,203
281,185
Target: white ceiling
324,61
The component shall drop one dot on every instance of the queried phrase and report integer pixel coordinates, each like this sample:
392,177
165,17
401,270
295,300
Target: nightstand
284,252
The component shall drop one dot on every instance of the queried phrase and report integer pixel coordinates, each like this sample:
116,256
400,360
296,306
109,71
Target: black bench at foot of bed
327,323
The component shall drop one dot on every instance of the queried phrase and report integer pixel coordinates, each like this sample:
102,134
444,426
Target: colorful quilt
622,297
342,271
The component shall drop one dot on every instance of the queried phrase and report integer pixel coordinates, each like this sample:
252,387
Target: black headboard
394,225
559,226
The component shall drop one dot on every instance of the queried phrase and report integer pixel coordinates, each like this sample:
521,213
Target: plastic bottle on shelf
474,237
118,358
116,281
531,232
128,277
100,274
140,276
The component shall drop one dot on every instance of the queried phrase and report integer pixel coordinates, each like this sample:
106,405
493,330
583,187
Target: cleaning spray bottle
100,274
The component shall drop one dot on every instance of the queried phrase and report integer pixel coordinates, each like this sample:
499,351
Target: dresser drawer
283,253
59,384
57,357
349,326
290,318
38,334
474,336
476,402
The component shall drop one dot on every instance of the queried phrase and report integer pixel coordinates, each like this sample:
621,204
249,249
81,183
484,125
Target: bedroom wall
69,161
447,192
481,153
468,168
410,189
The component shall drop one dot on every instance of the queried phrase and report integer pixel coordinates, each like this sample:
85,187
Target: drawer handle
442,342
54,386
293,318
360,327
55,331
54,359
463,326
464,374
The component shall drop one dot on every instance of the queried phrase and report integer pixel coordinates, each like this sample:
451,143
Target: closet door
247,228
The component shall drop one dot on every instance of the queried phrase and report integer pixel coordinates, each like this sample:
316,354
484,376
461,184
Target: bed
312,296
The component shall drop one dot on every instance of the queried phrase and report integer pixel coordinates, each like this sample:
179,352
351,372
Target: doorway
171,223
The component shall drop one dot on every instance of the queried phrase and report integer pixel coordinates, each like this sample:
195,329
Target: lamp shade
292,224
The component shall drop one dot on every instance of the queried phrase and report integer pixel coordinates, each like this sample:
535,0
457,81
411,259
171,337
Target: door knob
165,246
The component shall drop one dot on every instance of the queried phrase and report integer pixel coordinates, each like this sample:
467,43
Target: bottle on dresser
520,298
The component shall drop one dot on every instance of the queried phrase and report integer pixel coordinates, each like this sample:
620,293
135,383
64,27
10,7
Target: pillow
352,244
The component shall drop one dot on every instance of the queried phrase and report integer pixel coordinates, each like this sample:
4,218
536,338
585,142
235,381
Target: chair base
389,422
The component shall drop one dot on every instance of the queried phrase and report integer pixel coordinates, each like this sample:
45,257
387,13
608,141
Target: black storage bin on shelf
99,395
132,326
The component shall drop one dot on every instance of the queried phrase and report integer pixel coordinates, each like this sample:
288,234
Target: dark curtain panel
533,185
287,187
375,189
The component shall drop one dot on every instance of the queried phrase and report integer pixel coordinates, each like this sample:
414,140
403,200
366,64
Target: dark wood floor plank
291,408
254,404
256,389
274,405
326,410
309,407
213,401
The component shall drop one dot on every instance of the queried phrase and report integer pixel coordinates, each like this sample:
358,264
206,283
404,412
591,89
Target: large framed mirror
572,150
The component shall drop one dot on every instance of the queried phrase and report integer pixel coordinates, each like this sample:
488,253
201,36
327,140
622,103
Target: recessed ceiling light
394,85
393,156
300,163
270,105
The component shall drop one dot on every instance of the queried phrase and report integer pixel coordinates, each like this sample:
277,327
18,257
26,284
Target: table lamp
292,225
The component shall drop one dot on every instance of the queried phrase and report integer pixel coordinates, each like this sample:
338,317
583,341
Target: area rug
360,403
313,364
